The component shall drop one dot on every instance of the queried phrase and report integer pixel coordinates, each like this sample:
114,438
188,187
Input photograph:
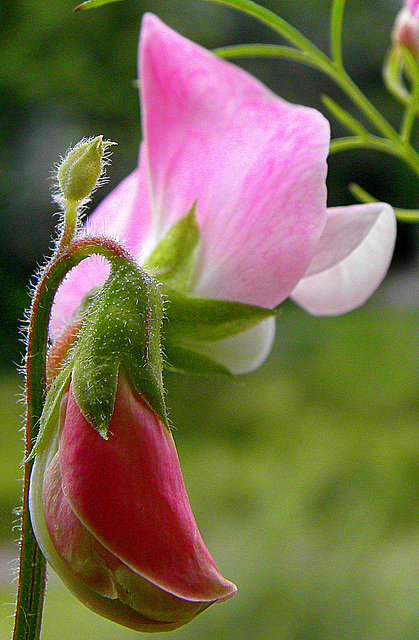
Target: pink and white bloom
406,27
256,167
113,519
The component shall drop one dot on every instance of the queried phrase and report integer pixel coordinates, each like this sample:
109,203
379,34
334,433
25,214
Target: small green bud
80,170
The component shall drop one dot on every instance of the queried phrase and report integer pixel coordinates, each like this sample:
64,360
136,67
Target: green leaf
51,411
273,21
173,260
193,326
412,108
121,329
393,75
92,4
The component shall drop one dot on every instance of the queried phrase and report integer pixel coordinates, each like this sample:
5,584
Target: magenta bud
113,518
406,28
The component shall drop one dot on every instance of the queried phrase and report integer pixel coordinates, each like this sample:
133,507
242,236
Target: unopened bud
81,169
406,28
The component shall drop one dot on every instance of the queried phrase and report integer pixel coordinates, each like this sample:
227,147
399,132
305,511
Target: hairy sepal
51,410
173,259
192,322
121,329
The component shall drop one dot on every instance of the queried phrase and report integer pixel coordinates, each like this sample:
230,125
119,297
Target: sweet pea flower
255,166
113,518
406,27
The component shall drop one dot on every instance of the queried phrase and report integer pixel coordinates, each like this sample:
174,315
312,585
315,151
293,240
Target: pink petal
125,216
109,607
351,259
255,165
129,493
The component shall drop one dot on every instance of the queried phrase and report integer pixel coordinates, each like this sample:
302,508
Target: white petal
351,259
244,352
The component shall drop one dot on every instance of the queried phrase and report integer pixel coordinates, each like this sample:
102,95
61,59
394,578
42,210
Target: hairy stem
32,563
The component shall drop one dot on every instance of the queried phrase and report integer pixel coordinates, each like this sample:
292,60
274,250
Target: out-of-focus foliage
304,480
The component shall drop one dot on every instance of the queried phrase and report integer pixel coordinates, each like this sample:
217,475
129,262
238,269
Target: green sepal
188,360
51,411
206,319
173,259
121,329
192,322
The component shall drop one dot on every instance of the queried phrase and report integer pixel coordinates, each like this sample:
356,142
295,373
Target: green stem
32,563
364,142
336,19
69,224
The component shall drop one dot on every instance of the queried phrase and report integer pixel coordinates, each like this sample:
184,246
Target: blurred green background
303,476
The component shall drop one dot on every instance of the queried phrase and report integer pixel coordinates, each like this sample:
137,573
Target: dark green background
304,476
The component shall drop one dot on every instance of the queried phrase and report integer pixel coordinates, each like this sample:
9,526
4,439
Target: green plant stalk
69,225
336,19
32,563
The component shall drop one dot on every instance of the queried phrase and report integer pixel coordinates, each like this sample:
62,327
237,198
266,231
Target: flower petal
128,492
254,164
123,215
351,259
243,352
109,607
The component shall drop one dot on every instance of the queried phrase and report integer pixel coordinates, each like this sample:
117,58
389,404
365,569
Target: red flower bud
113,518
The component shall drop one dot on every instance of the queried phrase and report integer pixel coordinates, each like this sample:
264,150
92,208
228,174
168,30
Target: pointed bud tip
82,167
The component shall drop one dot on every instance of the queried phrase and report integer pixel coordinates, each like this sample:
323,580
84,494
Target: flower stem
32,563
69,224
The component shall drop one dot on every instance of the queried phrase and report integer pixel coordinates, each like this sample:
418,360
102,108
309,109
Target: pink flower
113,519
256,166
406,27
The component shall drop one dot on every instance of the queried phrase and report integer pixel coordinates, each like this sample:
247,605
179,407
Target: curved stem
265,50
32,563
69,225
364,142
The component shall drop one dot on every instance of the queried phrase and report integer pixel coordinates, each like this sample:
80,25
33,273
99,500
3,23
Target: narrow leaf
393,75
412,106
275,22
92,4
265,50
344,117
